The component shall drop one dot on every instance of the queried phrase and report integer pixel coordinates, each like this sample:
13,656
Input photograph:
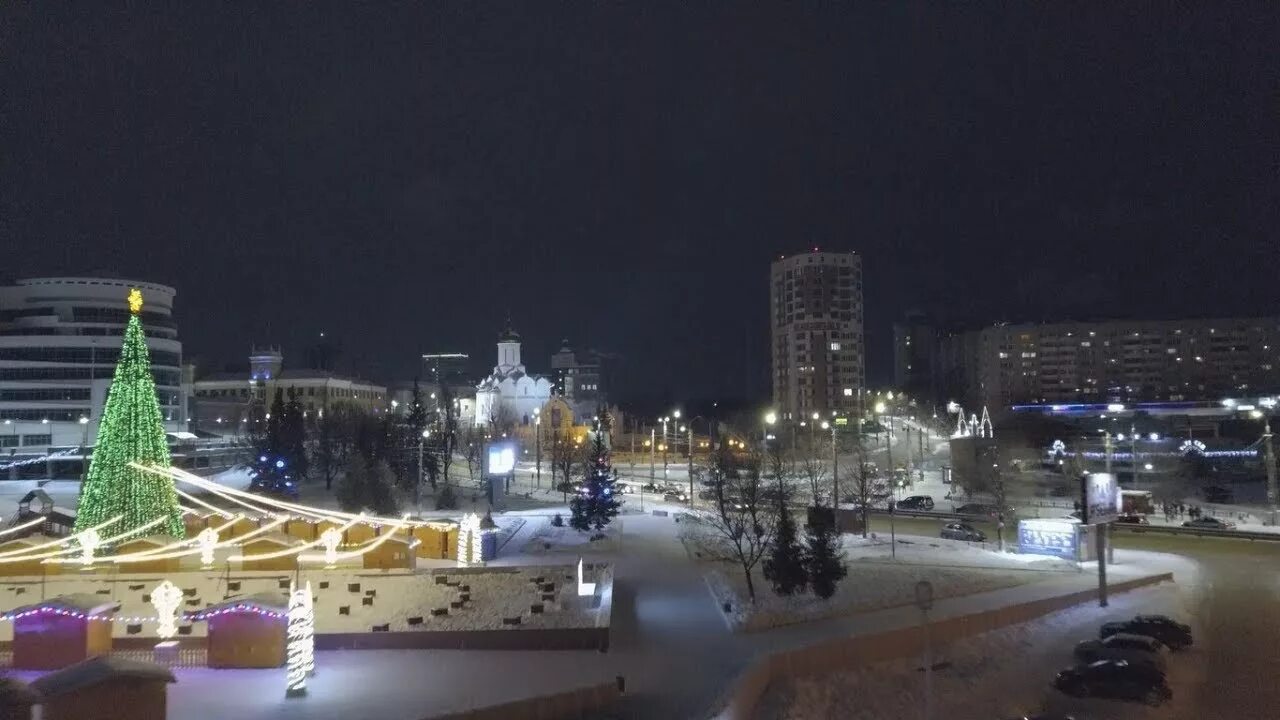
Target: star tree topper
135,301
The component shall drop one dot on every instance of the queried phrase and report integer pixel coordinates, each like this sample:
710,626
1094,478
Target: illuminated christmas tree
131,431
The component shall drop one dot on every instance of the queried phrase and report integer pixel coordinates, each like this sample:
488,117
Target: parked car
1116,679
1209,523
1161,627
1123,646
977,509
962,531
1133,520
916,502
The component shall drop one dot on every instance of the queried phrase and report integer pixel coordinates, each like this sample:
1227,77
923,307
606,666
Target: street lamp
537,441
417,487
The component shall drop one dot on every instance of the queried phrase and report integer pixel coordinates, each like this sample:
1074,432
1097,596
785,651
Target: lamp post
769,419
417,487
835,466
653,450
537,443
664,447
1268,452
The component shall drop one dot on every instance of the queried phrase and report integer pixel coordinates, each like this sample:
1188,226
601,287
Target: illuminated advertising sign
1048,537
1101,498
500,459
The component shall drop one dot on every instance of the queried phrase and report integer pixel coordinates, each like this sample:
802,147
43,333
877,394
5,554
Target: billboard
1101,498
1049,536
499,459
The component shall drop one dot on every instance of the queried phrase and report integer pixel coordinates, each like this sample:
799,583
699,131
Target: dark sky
403,175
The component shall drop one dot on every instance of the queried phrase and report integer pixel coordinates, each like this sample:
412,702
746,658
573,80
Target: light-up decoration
1190,447
207,540
331,539
985,428
135,301
89,541
166,599
300,639
469,547
584,588
502,459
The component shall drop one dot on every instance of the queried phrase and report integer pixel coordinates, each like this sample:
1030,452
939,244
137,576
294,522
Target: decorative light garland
134,619
300,641
61,542
360,550
470,551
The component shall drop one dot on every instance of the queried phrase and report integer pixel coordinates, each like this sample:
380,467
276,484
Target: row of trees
752,522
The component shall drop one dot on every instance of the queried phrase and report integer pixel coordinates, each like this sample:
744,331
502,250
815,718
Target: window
835,347
31,440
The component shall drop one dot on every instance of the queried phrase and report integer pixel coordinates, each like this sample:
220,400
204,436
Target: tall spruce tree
272,467
597,503
131,431
785,566
824,558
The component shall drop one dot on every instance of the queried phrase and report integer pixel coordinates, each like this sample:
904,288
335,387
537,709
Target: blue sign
1048,537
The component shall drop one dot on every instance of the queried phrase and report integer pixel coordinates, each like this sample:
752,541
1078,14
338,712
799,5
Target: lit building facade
815,310
510,396
223,401
60,341
1114,361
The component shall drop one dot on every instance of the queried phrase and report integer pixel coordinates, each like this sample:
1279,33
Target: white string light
300,659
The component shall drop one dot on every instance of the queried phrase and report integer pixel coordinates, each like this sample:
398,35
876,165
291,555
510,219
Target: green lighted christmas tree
131,431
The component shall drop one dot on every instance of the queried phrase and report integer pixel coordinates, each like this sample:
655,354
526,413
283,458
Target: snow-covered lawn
923,550
547,539
349,600
1004,673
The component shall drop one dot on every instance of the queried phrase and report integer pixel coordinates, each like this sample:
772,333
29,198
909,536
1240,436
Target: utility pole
690,426
835,470
653,449
537,443
1133,453
1106,449
1271,467
417,487
664,449
920,437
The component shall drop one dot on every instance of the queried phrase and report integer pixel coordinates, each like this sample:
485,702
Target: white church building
510,395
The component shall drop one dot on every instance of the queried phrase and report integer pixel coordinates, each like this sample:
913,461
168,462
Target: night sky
403,176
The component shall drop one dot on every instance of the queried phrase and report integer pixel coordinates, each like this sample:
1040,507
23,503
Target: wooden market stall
246,632
105,688
61,631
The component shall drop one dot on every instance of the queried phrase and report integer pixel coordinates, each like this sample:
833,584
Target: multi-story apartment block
817,348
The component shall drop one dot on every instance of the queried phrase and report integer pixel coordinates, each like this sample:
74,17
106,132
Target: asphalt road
1236,595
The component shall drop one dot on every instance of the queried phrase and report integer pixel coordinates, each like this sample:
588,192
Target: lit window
835,346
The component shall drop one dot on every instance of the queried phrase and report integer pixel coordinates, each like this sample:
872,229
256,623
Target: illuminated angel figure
89,541
331,539
166,598
207,540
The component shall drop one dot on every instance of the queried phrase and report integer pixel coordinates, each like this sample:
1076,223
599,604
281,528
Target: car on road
916,502
1133,520
1209,523
1123,646
1116,679
962,531
1172,633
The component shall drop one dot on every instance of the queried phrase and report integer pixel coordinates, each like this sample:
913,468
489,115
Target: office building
448,368
816,345
1115,361
60,340
584,378
224,400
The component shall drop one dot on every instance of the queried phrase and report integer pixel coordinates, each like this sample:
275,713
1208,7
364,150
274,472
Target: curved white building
59,343
510,396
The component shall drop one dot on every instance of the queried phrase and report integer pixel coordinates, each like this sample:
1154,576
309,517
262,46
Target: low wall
585,702
525,639
908,641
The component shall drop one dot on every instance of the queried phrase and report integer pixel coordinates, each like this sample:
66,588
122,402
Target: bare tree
334,440
742,518
445,437
502,420
812,465
862,482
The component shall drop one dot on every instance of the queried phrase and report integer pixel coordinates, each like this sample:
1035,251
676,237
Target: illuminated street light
771,418
880,408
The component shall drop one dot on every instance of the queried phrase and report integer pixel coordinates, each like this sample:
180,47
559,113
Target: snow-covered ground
348,601
1004,673
877,580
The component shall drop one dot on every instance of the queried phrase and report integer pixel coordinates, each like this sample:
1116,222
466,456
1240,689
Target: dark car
1133,520
1116,679
1209,523
1163,628
962,531
1123,646
916,502
977,509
